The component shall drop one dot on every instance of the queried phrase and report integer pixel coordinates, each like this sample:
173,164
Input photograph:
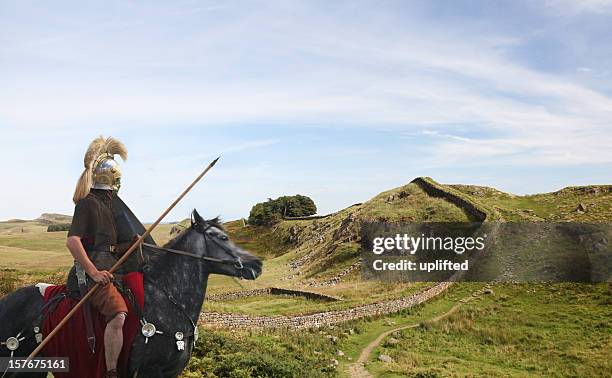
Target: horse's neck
183,279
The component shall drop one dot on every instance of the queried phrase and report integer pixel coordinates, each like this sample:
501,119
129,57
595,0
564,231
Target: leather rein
236,261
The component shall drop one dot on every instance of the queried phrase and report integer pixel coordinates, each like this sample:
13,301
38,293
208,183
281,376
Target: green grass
257,240
268,305
353,294
281,354
415,205
556,206
521,330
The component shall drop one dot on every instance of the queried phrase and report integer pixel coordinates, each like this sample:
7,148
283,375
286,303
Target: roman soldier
93,241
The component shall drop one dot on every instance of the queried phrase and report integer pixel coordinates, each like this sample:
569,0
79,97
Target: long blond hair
97,147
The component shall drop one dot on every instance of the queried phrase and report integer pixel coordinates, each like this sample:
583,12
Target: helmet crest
101,170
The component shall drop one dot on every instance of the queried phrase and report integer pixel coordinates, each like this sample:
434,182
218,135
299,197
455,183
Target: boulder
392,341
385,358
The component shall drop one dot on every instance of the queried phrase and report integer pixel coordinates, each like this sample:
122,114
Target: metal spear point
123,258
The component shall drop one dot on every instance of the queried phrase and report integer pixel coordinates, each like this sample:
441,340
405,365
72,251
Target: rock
397,334
340,353
489,291
385,358
392,341
334,362
581,208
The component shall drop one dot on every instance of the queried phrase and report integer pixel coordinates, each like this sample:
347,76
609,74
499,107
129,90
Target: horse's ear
196,218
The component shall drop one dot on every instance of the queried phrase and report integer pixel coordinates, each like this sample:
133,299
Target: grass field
520,330
352,294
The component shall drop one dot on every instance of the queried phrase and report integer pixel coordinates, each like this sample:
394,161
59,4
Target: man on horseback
92,241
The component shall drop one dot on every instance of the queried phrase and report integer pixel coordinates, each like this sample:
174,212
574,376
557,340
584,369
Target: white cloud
580,6
293,65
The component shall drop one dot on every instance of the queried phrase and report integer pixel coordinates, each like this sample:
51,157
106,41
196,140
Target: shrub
237,355
272,211
58,227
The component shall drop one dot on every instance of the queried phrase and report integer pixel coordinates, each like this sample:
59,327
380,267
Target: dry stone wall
271,291
216,319
434,189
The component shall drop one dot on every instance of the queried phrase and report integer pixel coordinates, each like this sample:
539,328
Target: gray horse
175,279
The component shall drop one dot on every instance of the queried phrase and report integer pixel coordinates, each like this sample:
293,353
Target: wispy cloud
466,91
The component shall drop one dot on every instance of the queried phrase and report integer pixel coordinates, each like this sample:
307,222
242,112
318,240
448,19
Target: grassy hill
519,330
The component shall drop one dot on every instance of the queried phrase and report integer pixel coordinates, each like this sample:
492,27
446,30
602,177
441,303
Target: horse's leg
18,312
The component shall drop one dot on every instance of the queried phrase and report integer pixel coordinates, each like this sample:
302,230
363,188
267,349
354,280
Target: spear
119,262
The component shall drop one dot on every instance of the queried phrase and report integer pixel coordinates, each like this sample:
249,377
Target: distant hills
44,219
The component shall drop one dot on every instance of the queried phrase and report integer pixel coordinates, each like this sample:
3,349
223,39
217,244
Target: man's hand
101,276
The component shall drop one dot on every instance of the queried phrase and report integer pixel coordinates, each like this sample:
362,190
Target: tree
273,210
58,227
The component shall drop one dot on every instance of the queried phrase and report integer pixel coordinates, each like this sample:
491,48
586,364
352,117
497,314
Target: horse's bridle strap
179,252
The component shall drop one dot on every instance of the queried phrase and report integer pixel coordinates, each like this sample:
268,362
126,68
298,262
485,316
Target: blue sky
336,100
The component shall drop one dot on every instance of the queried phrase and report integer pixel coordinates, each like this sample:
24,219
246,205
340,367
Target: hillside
578,203
322,253
325,249
318,258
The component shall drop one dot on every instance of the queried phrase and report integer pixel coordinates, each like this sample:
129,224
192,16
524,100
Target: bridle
200,228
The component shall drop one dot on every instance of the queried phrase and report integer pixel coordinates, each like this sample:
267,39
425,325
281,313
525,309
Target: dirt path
357,369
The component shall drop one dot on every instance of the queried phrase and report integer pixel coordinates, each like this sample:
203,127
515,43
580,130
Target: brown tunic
94,223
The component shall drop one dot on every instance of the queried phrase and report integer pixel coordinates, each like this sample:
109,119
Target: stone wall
337,278
269,291
477,211
311,217
215,319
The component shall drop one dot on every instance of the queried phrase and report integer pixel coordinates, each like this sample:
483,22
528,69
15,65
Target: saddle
71,341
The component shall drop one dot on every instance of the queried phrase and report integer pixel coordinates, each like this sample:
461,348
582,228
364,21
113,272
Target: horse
175,280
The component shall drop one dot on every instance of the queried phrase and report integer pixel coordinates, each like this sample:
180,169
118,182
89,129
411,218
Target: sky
334,100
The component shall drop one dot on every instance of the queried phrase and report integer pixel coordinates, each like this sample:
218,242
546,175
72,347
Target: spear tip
215,161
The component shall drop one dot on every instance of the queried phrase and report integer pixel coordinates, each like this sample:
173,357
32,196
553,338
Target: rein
237,262
193,255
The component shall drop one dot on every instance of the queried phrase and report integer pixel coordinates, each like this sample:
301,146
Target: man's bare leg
113,340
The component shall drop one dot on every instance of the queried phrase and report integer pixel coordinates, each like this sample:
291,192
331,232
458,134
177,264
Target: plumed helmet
106,173
101,170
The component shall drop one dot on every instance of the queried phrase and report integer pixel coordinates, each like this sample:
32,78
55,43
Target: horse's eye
223,237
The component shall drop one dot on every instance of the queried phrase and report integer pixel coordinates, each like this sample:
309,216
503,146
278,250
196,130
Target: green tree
58,227
273,210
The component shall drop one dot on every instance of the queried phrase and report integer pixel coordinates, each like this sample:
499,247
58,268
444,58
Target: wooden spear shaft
119,262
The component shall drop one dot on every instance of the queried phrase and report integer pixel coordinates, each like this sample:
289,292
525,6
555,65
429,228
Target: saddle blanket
71,340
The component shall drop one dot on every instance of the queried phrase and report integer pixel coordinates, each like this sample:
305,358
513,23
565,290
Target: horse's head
206,238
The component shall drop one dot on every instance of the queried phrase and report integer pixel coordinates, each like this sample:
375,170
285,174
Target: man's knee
117,321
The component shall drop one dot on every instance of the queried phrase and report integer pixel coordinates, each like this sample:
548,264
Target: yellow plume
97,148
